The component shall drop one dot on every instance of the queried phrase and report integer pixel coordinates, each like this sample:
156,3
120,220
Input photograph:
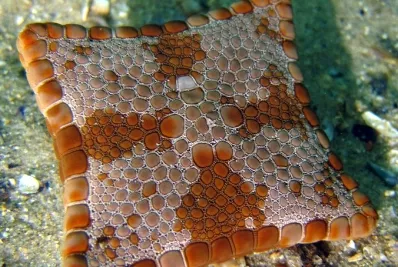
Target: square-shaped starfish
188,143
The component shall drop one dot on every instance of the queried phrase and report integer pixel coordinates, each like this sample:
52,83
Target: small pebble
96,9
356,257
328,128
101,7
351,247
382,126
28,184
392,213
277,256
390,178
316,260
383,258
389,193
12,182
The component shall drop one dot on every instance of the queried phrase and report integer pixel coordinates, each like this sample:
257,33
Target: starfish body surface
188,143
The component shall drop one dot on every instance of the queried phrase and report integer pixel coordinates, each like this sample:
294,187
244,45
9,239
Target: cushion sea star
189,143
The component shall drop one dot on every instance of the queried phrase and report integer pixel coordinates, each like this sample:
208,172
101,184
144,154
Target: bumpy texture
189,143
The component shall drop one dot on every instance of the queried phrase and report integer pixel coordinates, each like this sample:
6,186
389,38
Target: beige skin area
188,143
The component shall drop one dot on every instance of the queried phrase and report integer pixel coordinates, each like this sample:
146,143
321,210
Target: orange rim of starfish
68,143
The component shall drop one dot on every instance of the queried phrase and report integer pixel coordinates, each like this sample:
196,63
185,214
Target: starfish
188,143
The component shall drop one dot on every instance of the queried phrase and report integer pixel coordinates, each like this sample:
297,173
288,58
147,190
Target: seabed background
349,58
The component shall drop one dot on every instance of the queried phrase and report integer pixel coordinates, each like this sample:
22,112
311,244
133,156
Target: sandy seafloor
349,57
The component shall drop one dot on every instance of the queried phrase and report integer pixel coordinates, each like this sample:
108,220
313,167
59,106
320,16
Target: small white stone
28,184
383,258
351,246
101,7
19,20
384,127
12,182
389,193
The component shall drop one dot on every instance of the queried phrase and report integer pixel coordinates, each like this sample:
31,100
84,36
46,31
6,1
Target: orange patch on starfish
190,143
